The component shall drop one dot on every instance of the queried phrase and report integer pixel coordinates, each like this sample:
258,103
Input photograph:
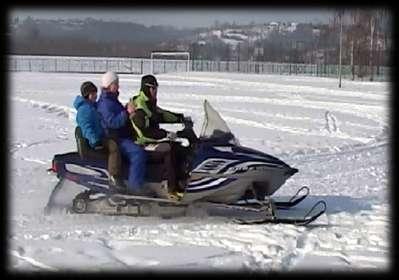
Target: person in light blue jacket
88,119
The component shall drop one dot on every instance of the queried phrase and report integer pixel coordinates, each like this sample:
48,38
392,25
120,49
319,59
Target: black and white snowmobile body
223,176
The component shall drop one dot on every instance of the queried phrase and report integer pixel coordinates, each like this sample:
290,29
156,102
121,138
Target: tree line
366,41
89,37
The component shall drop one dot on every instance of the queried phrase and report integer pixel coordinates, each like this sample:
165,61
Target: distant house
316,31
258,51
217,33
273,26
292,27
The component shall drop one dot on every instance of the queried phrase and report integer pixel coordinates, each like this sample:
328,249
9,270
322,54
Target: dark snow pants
162,152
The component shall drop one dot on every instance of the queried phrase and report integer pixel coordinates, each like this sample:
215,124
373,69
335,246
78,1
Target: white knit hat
108,78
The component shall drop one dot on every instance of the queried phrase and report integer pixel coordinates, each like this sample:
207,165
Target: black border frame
4,110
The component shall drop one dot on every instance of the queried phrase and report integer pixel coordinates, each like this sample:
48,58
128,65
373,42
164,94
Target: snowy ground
339,139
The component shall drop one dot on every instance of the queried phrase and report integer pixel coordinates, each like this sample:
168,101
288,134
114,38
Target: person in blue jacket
88,120
116,124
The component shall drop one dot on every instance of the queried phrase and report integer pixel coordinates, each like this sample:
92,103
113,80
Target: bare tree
366,29
372,28
382,30
353,39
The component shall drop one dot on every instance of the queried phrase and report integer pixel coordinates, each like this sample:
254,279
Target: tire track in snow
349,244
71,113
344,150
359,244
372,112
22,145
32,261
264,247
60,110
330,121
261,249
278,87
292,130
187,107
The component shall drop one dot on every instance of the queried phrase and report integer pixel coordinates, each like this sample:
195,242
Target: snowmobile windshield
215,128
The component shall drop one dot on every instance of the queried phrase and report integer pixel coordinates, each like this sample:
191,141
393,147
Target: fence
142,66
320,70
77,64
94,64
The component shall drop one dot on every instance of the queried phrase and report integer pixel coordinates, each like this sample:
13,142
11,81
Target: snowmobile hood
234,154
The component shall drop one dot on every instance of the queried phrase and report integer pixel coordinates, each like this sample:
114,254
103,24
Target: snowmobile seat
154,163
86,152
84,149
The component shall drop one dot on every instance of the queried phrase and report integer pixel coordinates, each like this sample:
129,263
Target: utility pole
340,48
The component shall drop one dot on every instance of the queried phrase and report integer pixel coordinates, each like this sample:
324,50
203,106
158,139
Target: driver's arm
169,117
142,128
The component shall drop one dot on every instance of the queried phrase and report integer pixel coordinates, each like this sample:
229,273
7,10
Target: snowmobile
224,179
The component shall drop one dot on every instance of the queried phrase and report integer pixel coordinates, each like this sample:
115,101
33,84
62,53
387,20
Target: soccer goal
164,62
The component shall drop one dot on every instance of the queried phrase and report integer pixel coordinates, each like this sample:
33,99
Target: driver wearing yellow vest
148,115
146,120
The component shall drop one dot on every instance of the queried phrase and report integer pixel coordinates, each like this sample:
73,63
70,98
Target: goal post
170,61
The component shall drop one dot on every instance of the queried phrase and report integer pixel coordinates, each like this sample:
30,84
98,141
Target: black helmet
148,81
86,88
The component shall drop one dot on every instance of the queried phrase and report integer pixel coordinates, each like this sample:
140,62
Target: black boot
117,185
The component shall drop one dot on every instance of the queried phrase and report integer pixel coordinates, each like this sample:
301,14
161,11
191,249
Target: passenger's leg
114,157
168,160
180,154
116,182
170,166
137,159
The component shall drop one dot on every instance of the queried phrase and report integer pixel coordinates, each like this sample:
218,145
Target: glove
180,117
188,134
171,135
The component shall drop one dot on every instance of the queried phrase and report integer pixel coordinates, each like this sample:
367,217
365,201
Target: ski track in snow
282,87
350,175
330,120
359,242
322,105
59,110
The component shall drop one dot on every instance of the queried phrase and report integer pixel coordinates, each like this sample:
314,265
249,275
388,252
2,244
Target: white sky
182,17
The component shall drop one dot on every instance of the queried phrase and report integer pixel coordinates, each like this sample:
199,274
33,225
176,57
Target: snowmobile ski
274,219
293,201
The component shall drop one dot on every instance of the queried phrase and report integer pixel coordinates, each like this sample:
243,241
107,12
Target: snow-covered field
338,138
